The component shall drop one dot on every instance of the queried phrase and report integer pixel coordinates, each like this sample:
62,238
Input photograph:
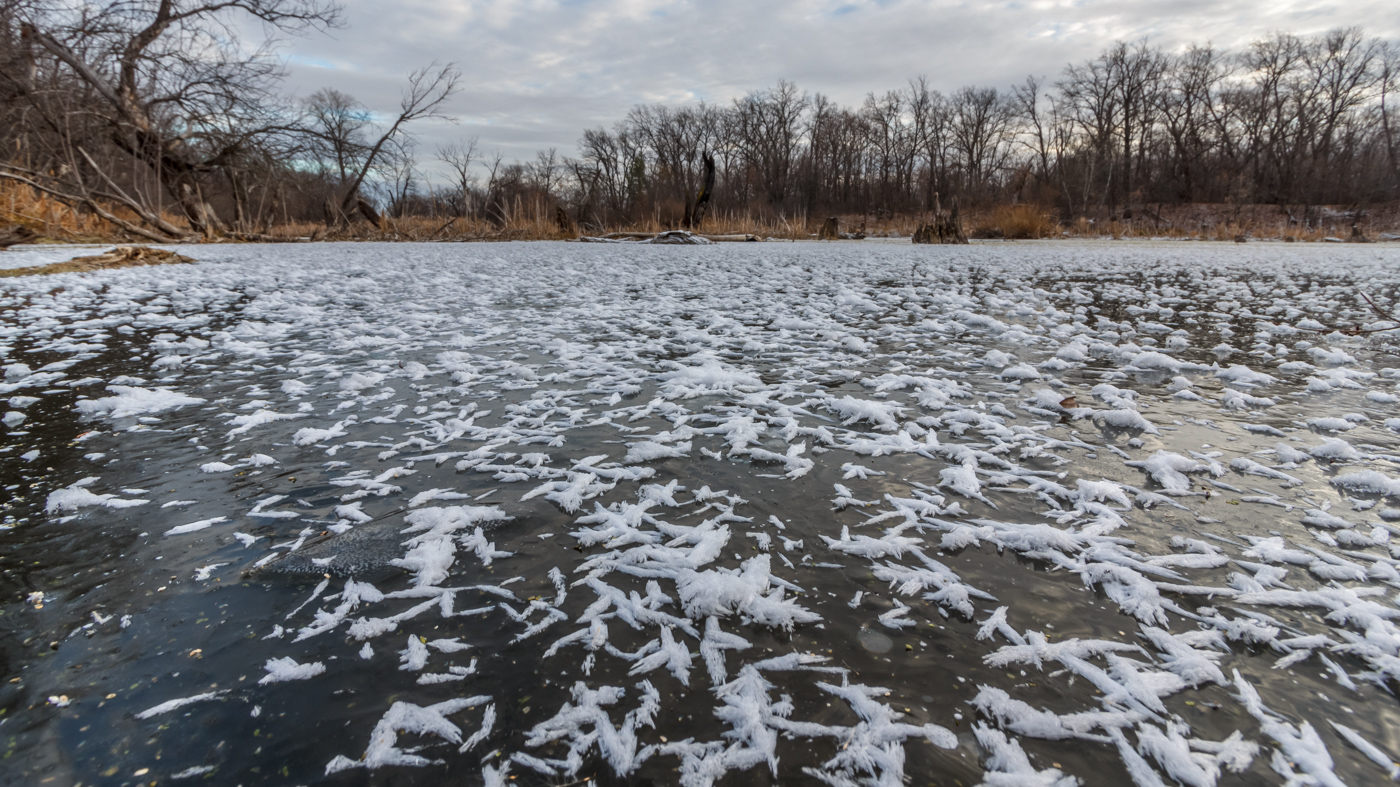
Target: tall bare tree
428,89
459,158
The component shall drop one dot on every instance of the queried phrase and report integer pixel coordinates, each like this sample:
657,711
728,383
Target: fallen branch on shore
12,236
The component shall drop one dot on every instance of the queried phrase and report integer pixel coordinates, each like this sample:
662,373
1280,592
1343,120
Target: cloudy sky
537,72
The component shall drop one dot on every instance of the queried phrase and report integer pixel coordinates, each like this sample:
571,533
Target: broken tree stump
566,225
946,228
830,230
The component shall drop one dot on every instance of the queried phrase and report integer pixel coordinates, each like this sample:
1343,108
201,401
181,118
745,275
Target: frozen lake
1009,514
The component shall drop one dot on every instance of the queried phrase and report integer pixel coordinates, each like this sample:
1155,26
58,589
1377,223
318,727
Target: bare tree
1389,88
544,172
172,88
980,135
338,125
400,180
928,111
428,89
459,157
1185,106
1135,73
891,146
768,124
153,116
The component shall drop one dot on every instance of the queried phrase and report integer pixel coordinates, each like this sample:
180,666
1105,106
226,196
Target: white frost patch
170,705
76,496
195,526
132,401
287,668
405,717
1368,482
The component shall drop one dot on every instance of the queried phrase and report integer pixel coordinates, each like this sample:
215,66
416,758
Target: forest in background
150,120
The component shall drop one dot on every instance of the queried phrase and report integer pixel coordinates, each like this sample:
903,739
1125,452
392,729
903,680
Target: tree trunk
200,214
566,224
831,229
334,216
368,212
695,214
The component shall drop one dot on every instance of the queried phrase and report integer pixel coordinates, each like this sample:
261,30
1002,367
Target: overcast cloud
538,72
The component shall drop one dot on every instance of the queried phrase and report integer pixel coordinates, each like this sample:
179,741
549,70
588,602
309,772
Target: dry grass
1010,222
120,257
1220,222
1015,222
56,222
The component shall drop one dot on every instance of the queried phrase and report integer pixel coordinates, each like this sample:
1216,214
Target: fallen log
668,238
732,238
15,235
258,237
660,237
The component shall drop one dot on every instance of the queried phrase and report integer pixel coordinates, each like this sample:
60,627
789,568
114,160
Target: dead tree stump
566,225
830,230
946,228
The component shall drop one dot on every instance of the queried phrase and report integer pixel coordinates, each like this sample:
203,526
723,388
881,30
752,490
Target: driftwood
946,228
258,237
651,237
120,257
669,238
678,238
13,236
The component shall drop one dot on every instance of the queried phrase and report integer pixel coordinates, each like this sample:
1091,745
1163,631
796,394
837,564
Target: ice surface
636,497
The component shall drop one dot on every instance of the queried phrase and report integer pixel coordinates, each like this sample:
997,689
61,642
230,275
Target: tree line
1288,120
153,115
